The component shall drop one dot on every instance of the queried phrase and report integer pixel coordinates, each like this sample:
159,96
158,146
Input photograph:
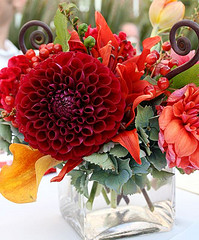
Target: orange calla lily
19,182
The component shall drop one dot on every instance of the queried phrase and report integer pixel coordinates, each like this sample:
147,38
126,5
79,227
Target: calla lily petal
19,182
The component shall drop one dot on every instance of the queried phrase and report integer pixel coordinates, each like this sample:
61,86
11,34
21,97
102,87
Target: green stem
89,203
154,31
113,199
105,196
148,200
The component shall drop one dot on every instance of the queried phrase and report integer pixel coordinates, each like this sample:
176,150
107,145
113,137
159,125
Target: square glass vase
130,215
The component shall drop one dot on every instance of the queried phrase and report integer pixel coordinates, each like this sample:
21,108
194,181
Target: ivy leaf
5,132
141,169
189,76
158,160
103,160
130,187
119,151
60,21
143,116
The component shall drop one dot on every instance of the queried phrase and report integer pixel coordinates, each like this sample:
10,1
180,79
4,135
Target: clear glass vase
132,215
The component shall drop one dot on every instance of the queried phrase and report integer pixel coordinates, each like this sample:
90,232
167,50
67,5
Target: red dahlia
69,105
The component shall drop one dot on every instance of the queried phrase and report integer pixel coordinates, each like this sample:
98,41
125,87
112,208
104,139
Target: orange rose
179,129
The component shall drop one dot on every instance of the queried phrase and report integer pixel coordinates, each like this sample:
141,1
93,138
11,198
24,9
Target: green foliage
143,116
60,21
189,76
158,160
103,160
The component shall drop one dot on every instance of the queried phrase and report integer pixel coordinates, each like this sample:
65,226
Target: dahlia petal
182,162
166,117
194,158
19,182
129,140
172,130
185,143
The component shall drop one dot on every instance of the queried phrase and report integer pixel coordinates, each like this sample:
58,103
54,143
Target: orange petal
105,53
129,140
185,143
19,182
104,33
66,169
166,117
172,130
194,158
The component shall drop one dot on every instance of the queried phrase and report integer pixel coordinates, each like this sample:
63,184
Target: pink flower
179,129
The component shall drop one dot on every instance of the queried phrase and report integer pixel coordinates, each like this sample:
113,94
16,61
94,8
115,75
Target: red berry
166,46
173,62
156,53
9,100
163,83
150,90
50,47
42,46
35,59
151,58
35,64
30,54
44,53
164,70
57,48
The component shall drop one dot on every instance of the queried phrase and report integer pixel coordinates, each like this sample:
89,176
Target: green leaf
101,159
119,151
17,133
150,80
164,175
157,158
16,140
189,76
141,180
4,145
116,181
130,187
113,180
5,132
143,116
154,134
75,174
84,185
154,128
145,139
60,21
67,7
141,169
106,147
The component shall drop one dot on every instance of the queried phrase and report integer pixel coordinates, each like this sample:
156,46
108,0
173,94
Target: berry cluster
161,64
45,51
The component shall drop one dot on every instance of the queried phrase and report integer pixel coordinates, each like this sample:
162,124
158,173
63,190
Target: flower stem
113,199
154,31
148,200
105,196
89,203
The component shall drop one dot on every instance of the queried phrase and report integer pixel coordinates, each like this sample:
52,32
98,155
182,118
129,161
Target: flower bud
82,29
89,42
75,20
165,13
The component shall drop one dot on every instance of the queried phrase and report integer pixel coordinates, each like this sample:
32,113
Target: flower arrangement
90,105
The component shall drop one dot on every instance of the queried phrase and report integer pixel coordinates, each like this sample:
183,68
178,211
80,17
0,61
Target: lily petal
19,182
129,140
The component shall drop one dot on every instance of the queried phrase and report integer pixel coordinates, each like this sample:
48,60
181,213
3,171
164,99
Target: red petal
129,140
104,33
105,53
69,166
148,43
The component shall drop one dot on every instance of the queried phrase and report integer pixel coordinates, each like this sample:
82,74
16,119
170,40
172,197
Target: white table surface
42,220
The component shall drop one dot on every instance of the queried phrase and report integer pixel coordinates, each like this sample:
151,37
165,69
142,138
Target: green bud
82,29
89,42
75,20
100,59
